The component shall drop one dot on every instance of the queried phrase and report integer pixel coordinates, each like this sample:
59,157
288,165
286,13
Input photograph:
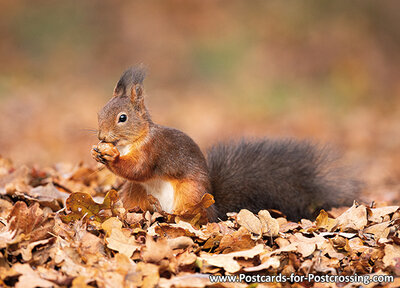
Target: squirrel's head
125,118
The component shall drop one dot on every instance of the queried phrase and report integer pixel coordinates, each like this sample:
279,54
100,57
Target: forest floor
52,237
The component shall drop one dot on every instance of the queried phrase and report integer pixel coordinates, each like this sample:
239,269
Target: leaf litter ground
51,235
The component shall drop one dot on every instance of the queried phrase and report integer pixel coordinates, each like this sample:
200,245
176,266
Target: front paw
105,152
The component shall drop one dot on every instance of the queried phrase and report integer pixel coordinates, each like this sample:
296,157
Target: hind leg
134,196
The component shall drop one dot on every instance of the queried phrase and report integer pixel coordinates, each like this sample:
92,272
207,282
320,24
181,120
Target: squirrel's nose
101,136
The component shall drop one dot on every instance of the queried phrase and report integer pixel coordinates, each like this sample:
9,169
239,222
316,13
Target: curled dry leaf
110,224
197,214
377,214
307,246
355,218
181,242
49,196
323,221
269,225
380,230
31,223
250,221
236,241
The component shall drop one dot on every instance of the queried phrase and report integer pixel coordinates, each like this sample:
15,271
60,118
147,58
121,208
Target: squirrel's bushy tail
294,177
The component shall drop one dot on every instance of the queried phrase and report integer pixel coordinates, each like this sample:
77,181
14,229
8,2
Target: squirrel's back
295,177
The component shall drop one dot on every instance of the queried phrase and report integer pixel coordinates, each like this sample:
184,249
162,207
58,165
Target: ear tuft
130,79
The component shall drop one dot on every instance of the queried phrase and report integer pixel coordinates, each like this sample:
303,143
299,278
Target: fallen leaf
19,177
377,214
49,196
392,255
26,252
269,225
155,251
29,278
269,262
380,230
248,220
118,241
187,280
227,261
110,224
182,242
355,218
306,246
323,221
236,241
82,205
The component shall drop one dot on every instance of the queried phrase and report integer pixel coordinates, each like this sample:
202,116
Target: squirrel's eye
122,118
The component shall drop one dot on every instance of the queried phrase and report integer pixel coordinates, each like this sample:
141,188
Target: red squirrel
295,177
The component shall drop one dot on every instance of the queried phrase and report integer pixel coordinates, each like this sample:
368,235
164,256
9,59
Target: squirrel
292,176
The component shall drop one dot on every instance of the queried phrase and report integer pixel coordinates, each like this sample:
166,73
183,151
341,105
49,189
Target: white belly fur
124,149
163,191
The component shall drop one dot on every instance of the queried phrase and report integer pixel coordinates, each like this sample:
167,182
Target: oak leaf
81,205
118,241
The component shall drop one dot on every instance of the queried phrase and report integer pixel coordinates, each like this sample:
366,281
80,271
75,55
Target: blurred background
325,70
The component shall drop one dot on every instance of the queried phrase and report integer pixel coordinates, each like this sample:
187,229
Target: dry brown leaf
26,252
134,218
227,261
187,280
357,245
392,255
288,226
197,213
110,224
49,196
30,278
236,241
82,205
327,248
186,258
323,221
150,272
288,248
181,242
377,214
380,230
270,226
306,246
268,262
155,251
118,241
190,229
91,247
19,177
355,218
24,219
250,221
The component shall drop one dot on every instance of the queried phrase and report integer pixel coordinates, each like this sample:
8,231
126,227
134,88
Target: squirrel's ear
137,95
119,89
131,83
